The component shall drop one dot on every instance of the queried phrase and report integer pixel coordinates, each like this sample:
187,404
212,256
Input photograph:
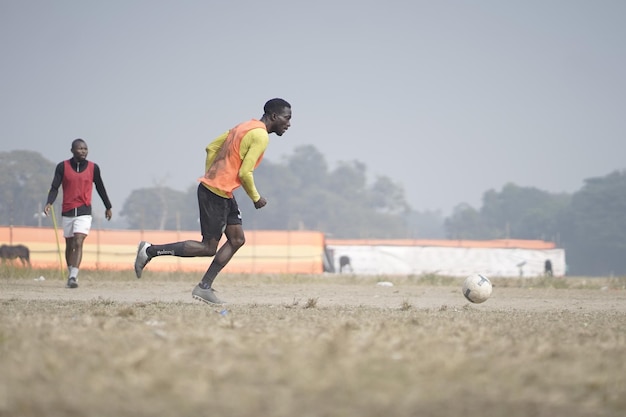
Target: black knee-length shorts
216,212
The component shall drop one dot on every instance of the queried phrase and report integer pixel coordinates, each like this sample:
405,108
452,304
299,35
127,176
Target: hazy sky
447,98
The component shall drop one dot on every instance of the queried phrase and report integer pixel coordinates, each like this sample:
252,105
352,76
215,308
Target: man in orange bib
230,163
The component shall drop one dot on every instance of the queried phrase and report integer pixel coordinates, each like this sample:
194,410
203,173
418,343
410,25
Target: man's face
282,121
80,151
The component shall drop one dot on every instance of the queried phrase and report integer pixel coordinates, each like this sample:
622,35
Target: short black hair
275,105
77,141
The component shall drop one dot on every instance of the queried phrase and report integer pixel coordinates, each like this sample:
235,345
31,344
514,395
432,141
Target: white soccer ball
477,288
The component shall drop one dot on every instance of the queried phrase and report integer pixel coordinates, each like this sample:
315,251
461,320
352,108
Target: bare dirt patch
310,346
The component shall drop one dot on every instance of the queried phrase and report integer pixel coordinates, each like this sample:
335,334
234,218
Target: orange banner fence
298,252
264,251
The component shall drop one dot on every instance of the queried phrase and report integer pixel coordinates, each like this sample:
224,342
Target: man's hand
108,214
261,202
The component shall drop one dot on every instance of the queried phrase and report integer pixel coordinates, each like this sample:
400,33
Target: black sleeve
102,192
56,182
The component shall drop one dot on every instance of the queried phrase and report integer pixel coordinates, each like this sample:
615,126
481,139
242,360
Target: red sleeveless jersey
77,186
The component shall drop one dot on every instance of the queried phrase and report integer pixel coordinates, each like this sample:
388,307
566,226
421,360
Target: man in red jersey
77,176
230,163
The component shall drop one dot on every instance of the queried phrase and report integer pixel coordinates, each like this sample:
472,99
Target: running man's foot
71,283
142,258
206,296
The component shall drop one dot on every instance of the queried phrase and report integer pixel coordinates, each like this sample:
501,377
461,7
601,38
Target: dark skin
275,123
74,245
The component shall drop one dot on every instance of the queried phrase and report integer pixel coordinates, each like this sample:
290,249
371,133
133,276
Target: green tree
158,208
25,178
302,194
521,213
594,227
276,183
465,223
308,165
348,179
386,196
514,212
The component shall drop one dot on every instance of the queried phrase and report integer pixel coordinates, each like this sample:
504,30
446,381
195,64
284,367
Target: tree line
342,203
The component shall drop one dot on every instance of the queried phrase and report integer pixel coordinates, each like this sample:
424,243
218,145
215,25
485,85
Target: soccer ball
477,288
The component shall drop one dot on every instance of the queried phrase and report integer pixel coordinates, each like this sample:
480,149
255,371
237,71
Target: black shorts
215,213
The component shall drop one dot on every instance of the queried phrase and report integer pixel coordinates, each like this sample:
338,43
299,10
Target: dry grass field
309,346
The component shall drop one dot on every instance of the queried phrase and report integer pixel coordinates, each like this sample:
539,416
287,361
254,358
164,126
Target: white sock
73,272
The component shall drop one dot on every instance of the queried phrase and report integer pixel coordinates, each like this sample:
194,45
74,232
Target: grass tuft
311,303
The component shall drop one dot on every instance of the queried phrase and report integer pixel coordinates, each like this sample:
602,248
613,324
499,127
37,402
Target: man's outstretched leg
187,249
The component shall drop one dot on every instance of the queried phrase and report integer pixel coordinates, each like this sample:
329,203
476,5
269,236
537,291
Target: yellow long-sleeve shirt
233,156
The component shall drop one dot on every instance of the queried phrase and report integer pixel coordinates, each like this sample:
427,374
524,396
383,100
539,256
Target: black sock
173,249
211,273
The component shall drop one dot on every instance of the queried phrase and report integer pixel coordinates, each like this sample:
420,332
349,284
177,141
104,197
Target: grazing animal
344,262
547,268
10,253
